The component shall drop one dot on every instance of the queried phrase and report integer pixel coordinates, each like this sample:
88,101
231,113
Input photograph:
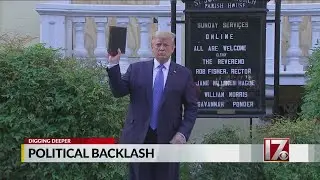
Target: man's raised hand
114,59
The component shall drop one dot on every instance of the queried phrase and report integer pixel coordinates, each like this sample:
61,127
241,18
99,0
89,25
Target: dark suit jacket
179,91
198,91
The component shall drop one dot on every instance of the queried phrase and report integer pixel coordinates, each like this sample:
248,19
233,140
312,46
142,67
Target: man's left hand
179,138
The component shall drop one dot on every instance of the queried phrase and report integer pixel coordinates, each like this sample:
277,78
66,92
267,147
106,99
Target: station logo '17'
276,149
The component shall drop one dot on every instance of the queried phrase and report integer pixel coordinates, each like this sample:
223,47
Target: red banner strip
70,141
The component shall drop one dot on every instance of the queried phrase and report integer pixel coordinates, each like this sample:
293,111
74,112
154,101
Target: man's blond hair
164,34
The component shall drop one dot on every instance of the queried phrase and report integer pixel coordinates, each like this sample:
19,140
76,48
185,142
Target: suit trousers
153,171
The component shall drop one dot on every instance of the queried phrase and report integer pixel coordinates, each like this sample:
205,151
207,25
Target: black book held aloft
117,39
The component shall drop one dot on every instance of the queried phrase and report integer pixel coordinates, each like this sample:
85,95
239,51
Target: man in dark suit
163,104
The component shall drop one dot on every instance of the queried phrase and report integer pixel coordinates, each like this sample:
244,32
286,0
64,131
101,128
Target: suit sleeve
190,100
119,85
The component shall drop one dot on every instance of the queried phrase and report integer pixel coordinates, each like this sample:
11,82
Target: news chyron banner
37,150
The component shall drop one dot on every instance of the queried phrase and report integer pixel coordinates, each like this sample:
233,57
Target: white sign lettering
211,104
243,104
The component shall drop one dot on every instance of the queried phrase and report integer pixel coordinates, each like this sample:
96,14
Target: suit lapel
170,81
149,81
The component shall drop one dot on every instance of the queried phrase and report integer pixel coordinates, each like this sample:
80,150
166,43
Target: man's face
162,48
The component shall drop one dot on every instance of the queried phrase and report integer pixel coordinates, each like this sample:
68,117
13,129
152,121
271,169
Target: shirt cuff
111,65
185,140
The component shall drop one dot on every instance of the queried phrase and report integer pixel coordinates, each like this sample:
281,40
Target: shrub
225,171
185,173
310,108
43,95
299,132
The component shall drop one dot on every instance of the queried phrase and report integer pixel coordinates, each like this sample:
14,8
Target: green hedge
226,171
310,108
223,171
44,95
300,132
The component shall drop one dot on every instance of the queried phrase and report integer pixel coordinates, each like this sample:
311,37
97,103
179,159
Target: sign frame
234,113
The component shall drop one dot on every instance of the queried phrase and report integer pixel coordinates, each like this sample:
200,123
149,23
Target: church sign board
225,49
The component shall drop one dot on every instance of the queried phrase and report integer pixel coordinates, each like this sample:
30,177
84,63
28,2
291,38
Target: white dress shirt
164,70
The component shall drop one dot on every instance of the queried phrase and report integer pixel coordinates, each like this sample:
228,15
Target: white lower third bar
299,153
